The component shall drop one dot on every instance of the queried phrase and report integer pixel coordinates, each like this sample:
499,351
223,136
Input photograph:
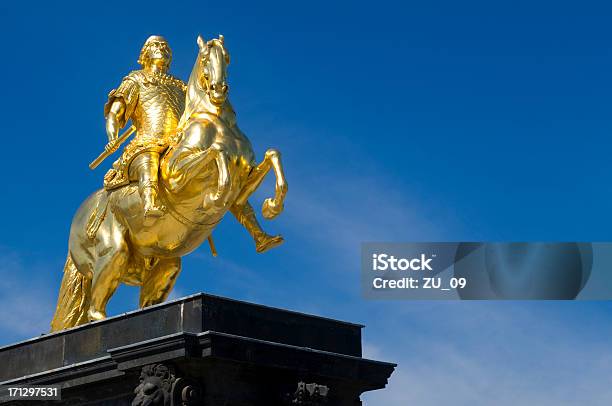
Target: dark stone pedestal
200,350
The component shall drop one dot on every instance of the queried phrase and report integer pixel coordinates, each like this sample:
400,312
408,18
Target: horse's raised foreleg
271,207
112,257
159,281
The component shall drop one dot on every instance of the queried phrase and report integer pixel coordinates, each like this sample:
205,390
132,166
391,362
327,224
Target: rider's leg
146,166
246,216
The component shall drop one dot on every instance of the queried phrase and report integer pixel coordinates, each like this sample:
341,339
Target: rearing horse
208,170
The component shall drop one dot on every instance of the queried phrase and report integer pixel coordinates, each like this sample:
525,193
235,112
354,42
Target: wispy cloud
340,195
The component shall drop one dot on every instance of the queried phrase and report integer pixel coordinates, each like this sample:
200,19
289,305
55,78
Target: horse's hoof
95,315
270,210
268,242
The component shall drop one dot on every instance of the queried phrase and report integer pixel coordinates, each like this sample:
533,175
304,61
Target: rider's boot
147,165
263,241
152,208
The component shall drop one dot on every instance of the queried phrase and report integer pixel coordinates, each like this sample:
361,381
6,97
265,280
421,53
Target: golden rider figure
154,101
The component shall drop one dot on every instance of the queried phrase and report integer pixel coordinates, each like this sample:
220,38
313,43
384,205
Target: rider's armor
154,102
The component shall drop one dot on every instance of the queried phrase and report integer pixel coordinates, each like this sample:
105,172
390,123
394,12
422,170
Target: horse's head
213,59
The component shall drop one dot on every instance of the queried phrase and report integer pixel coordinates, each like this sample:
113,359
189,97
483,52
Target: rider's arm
120,106
114,119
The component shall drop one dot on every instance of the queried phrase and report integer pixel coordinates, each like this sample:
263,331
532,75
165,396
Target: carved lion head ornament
160,386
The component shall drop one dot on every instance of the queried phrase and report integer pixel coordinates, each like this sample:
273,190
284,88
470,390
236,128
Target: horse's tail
73,300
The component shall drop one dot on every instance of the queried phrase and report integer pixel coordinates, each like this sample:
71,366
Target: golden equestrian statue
187,165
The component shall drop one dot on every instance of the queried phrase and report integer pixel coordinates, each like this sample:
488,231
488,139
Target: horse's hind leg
112,258
159,281
246,216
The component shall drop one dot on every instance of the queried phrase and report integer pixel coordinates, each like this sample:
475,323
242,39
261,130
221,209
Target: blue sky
397,122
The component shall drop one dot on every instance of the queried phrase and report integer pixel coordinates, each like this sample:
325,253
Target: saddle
119,175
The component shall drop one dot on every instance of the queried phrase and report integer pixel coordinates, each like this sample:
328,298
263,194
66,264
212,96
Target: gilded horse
207,171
